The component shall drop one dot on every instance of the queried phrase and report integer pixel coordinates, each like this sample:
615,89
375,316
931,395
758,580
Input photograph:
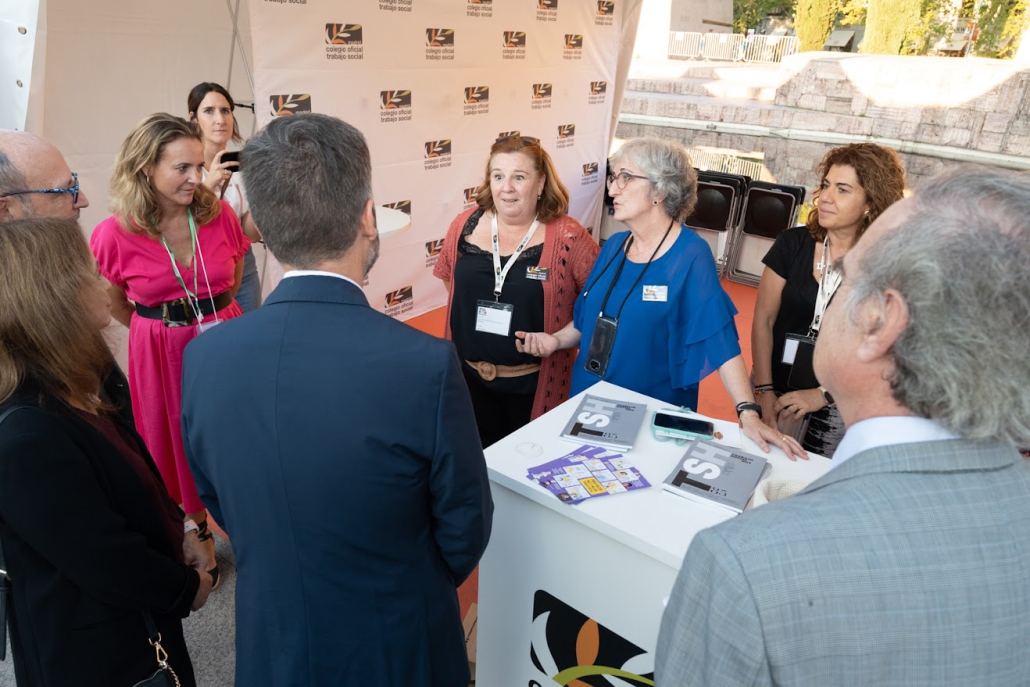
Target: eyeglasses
526,140
622,178
73,189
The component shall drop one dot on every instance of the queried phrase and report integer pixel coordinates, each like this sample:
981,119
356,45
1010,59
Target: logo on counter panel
479,8
477,100
598,89
589,174
343,42
293,103
433,249
394,106
513,45
547,10
438,154
573,47
541,96
566,135
605,13
569,647
395,5
400,301
439,44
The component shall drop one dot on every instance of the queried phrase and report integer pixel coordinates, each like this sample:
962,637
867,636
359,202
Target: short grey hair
308,178
12,179
667,166
961,261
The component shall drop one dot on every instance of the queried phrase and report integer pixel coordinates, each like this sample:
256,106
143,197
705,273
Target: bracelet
763,388
189,526
747,405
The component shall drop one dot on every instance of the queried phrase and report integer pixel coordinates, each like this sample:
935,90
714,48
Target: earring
654,202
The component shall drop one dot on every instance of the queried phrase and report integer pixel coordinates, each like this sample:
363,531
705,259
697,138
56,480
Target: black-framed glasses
622,178
526,140
73,189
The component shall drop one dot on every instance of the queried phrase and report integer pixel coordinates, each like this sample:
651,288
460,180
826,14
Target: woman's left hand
763,435
794,405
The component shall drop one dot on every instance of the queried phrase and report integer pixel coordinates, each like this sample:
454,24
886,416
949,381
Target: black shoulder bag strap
5,580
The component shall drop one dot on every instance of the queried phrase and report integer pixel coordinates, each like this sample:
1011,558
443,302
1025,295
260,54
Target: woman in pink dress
173,253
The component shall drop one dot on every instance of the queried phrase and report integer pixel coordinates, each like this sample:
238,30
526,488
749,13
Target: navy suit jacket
338,449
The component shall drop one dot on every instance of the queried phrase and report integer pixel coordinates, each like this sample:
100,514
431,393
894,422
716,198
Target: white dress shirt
318,273
886,431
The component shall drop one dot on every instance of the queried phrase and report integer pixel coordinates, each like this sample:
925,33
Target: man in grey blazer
909,562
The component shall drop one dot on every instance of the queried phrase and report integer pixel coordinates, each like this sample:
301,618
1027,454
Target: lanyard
193,299
829,280
625,249
499,274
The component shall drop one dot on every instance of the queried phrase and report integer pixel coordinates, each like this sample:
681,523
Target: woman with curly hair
857,183
173,253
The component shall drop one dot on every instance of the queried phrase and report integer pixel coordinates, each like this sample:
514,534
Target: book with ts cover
716,475
604,422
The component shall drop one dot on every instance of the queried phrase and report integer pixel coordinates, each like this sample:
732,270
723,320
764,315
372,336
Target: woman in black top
857,183
91,539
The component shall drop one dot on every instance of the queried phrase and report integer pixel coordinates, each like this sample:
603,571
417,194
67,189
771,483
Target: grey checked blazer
906,565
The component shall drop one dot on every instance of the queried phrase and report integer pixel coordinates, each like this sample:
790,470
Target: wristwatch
189,526
828,397
741,407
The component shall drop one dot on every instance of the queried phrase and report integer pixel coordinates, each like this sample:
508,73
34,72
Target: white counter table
578,590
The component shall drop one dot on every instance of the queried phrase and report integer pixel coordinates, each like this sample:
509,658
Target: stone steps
705,87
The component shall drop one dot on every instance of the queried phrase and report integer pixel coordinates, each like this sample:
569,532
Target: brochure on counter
717,475
605,422
587,472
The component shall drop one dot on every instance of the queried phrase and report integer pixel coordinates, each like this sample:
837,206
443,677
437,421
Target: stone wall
787,161
972,103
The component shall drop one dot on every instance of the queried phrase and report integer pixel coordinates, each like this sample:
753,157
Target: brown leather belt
490,372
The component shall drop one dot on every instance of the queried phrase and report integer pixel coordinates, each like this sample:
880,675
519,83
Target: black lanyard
624,248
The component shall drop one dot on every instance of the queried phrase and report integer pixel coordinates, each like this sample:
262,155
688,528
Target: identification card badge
655,293
537,273
790,346
204,326
494,318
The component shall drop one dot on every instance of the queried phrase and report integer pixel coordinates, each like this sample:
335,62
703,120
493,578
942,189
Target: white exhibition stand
611,559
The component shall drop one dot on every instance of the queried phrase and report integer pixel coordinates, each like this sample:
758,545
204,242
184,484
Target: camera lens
594,365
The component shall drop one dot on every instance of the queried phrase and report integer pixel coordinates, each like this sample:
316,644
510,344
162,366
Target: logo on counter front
400,301
566,136
605,13
570,648
513,46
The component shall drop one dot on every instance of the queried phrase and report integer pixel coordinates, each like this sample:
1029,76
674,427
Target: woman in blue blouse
653,317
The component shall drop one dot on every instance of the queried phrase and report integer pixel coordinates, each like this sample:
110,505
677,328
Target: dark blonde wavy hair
879,172
132,197
554,200
47,337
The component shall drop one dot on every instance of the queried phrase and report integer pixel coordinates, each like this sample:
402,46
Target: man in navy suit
336,446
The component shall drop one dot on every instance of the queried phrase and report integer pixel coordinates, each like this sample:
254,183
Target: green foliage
889,24
748,13
813,22
1002,23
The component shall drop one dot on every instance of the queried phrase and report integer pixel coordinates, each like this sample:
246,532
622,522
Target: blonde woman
174,254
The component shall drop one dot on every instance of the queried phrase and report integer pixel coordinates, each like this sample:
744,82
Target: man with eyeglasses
35,179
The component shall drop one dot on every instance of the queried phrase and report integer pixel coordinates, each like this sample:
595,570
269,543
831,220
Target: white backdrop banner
432,84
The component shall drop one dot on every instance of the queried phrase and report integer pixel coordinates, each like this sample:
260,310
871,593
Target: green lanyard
193,298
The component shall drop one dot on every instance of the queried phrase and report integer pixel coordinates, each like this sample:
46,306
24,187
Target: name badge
494,318
658,294
538,273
